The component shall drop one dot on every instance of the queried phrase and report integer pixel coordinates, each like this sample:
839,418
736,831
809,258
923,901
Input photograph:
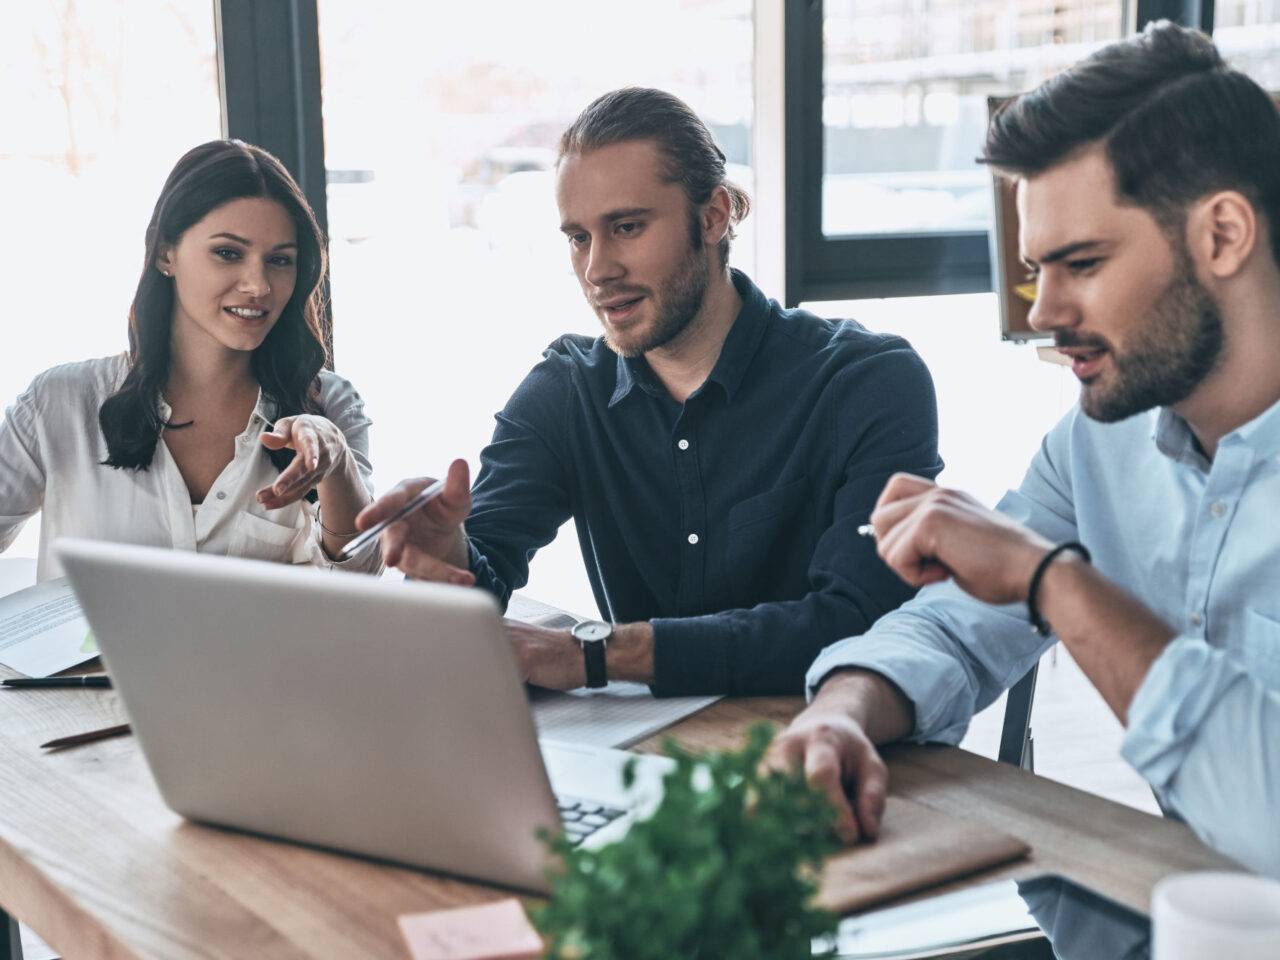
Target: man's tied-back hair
692,157
1177,124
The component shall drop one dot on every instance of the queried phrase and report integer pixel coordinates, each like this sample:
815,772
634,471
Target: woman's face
233,273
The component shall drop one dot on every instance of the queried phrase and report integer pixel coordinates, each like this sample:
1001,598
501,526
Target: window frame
269,84
269,79
819,267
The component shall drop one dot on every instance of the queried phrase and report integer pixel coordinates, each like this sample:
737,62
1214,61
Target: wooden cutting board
918,847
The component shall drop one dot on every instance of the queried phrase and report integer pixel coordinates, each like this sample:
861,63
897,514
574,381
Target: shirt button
683,444
1196,619
1218,509
221,495
693,538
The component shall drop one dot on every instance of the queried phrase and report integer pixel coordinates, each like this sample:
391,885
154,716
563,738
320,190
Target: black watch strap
593,637
593,654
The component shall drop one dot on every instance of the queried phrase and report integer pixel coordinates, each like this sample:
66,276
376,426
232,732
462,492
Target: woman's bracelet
1033,610
333,533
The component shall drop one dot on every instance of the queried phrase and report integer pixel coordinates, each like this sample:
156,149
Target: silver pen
428,494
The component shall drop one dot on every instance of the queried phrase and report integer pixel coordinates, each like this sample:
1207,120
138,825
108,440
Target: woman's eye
280,260
226,253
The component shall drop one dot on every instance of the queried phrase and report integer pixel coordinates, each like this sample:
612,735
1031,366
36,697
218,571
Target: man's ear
1223,231
715,216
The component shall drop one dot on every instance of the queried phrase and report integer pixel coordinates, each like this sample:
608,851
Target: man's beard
1177,345
676,302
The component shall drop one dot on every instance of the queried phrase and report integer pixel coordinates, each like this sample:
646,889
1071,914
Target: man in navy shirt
716,452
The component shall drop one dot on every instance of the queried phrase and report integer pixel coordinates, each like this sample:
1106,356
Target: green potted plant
724,868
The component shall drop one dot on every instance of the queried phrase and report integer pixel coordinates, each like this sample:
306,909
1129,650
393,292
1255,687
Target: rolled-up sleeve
952,655
345,408
1202,731
22,472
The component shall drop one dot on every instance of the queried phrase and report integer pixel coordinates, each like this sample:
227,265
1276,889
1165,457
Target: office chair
1016,744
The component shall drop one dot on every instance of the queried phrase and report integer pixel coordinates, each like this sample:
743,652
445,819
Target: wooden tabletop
94,862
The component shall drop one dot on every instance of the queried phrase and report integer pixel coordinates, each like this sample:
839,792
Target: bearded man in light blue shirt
1148,180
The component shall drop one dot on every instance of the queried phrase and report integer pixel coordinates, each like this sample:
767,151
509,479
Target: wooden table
94,862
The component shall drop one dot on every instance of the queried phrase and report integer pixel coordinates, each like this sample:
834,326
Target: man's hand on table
838,758
833,742
429,544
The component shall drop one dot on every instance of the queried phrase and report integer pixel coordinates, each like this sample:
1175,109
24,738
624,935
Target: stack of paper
42,629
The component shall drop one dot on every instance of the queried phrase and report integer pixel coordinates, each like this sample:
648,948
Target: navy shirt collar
740,346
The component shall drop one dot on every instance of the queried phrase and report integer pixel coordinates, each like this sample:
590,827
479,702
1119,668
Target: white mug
1215,916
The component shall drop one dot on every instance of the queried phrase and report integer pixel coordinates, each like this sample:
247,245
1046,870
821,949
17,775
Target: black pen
100,680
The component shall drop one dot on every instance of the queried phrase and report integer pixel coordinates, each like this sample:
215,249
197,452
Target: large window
97,101
886,108
450,274
904,101
1248,34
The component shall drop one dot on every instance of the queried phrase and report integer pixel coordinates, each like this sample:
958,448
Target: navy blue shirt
728,521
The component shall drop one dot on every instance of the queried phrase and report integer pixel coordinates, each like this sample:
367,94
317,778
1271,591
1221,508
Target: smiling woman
219,430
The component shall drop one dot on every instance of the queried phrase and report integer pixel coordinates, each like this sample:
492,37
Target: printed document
43,631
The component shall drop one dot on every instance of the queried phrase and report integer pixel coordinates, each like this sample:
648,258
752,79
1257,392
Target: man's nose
603,265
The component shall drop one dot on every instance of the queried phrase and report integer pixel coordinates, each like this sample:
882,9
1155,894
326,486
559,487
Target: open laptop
374,717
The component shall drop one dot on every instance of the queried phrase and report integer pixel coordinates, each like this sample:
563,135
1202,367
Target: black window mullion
1189,13
821,267
269,79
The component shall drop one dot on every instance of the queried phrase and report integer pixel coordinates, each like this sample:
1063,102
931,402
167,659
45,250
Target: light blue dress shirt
1196,541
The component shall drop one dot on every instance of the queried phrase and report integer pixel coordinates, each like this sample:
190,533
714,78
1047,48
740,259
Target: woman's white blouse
51,453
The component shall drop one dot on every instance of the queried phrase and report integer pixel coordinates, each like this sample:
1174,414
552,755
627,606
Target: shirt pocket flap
268,531
1260,646
781,500
258,538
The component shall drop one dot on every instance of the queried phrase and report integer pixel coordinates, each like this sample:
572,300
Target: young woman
220,430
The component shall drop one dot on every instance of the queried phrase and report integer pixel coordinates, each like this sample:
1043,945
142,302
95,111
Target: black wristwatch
593,636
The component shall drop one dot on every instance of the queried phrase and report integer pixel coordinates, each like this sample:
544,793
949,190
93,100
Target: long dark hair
289,360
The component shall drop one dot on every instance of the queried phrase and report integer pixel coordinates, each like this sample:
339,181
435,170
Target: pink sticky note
491,931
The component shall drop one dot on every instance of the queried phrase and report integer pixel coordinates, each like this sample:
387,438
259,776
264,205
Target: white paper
936,926
43,631
618,716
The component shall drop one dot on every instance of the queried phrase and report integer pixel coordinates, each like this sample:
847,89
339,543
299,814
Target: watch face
592,631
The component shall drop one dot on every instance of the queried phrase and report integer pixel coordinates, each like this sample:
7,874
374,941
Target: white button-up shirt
51,453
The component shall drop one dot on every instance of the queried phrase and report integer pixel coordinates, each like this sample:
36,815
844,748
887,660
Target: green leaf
723,867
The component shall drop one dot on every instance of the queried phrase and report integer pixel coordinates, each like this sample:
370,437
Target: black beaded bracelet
1033,612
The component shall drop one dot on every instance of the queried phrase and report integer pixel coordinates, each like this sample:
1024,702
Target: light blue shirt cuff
932,680
1182,685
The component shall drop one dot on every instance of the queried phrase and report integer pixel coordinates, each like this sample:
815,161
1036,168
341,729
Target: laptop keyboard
582,818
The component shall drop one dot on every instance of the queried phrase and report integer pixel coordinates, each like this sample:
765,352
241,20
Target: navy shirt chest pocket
771,540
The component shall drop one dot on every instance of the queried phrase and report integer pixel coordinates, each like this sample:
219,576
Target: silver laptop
374,717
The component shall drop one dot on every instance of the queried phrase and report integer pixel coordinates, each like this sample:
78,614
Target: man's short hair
692,158
1177,124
